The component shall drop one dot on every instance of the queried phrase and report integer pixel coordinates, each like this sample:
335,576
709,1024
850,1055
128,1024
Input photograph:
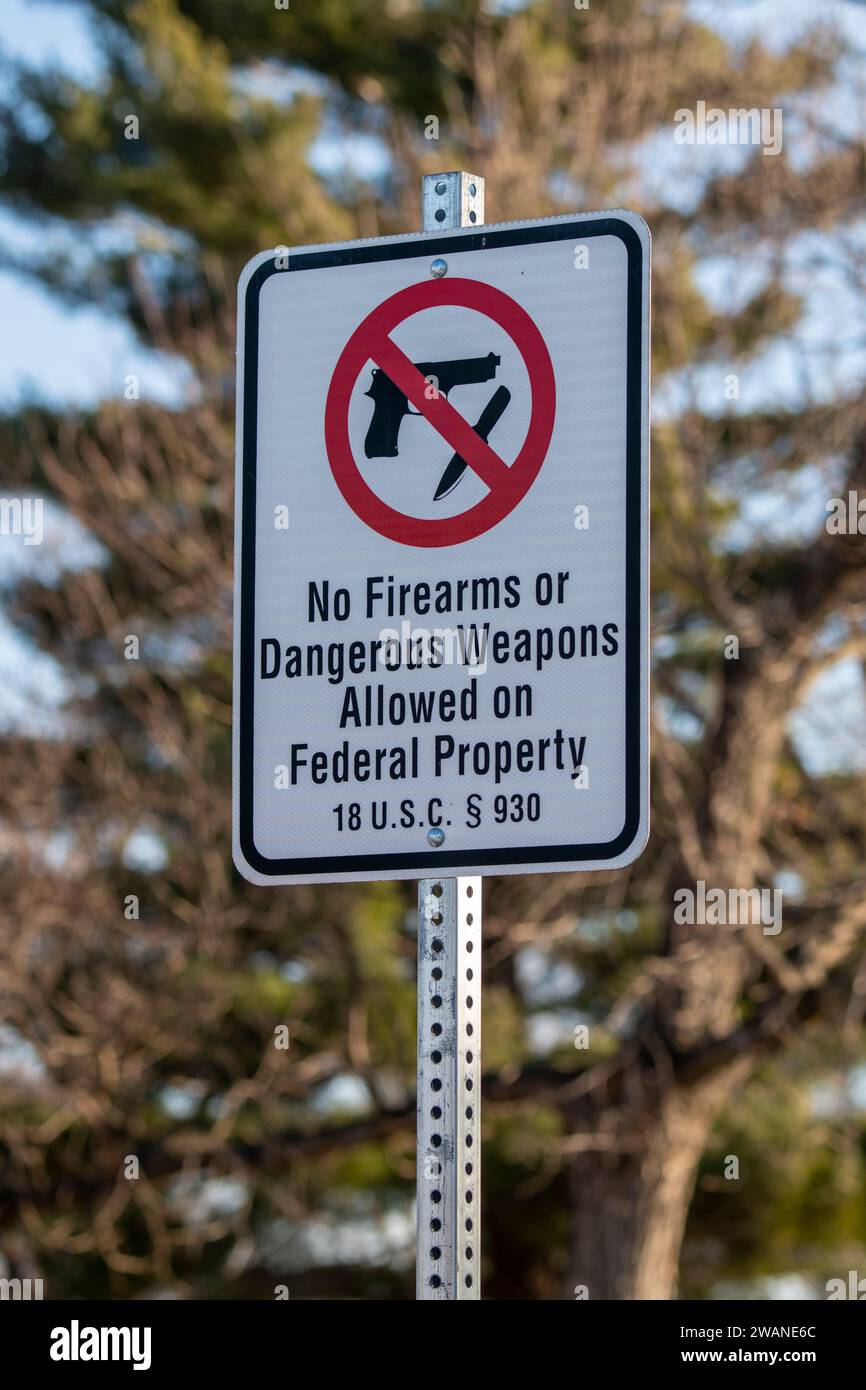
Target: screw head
439,268
435,836
441,187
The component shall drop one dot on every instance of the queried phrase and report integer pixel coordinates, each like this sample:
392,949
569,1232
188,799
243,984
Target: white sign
442,545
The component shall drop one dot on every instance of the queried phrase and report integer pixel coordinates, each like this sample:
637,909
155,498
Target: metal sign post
449,989
449,1088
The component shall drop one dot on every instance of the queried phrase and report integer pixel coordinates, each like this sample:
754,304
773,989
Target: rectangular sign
441,654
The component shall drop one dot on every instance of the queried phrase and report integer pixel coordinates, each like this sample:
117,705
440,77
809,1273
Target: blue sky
64,355
60,354
84,344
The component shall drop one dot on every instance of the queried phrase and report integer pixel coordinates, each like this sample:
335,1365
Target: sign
442,546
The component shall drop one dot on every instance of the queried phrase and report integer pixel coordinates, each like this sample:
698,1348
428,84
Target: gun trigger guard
439,392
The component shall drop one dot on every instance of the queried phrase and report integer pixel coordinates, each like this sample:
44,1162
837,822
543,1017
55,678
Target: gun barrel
461,371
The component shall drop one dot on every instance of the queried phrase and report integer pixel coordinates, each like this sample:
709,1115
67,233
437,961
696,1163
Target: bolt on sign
442,550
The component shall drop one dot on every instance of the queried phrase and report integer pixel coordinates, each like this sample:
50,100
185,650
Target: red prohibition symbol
506,484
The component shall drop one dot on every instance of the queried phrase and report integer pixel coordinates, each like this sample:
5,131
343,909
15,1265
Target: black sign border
433,862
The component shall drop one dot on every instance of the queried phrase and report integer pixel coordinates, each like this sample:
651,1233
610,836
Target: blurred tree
152,984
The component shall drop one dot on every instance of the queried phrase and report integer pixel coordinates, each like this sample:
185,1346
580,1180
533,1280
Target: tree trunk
630,1206
645,1128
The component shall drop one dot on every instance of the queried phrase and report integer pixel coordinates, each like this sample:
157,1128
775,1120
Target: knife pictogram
489,416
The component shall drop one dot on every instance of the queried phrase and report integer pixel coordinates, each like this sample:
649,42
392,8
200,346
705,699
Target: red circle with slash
507,484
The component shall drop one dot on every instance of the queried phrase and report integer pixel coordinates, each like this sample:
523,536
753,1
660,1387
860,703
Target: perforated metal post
449,1095
449,986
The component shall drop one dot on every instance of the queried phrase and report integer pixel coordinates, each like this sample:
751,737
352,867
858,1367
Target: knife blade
486,420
